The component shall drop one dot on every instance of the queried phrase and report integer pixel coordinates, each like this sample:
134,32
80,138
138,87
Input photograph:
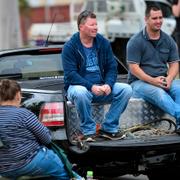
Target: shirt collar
146,36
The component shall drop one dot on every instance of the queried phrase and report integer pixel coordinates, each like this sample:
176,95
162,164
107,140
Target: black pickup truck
149,146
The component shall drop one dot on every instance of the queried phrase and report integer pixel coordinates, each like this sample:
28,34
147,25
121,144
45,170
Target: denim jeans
168,101
45,163
82,98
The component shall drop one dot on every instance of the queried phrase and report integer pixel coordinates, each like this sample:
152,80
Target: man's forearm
140,74
173,70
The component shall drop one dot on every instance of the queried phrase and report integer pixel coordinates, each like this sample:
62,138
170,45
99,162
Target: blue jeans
168,101
45,163
82,99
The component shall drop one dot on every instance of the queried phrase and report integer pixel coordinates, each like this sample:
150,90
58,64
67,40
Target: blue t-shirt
153,60
92,67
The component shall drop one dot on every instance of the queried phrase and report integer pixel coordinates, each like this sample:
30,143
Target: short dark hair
153,7
8,89
83,16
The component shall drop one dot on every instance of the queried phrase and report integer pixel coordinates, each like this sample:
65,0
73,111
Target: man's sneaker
80,137
89,138
112,136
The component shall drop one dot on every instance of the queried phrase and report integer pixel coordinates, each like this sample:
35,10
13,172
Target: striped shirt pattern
22,135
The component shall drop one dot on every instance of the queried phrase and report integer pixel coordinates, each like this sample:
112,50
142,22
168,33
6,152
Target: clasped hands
163,82
100,90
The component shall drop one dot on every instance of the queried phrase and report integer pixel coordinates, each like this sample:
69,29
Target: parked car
147,148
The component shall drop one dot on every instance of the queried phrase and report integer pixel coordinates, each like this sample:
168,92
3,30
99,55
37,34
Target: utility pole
10,31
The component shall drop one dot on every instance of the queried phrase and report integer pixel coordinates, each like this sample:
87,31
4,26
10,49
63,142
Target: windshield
32,66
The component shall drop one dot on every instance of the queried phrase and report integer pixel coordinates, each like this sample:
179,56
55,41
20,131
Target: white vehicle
125,18
117,20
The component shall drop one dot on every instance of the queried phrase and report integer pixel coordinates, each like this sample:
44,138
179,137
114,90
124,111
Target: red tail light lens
52,114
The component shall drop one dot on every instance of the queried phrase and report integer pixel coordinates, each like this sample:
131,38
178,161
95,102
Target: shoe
112,136
81,137
89,138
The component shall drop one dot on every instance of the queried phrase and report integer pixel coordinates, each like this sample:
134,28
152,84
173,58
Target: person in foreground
90,72
24,138
153,60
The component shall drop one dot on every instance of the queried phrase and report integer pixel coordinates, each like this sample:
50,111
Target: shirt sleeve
38,129
134,51
173,55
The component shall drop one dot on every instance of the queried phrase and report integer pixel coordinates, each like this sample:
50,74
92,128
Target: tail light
52,114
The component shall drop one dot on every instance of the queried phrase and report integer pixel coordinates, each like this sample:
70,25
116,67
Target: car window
32,66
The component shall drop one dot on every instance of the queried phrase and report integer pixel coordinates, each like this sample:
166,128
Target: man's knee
78,91
128,89
124,88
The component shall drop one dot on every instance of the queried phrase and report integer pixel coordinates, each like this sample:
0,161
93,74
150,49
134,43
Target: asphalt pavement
131,177
125,177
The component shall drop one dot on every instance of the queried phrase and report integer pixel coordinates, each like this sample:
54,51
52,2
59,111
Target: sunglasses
83,16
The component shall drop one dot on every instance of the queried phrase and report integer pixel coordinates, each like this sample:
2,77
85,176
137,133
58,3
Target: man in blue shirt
153,60
90,72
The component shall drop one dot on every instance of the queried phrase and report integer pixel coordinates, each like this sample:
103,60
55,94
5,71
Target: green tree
23,6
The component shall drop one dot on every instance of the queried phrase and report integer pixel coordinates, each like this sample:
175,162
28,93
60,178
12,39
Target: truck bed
144,126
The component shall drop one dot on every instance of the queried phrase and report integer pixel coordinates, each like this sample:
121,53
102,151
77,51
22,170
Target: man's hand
97,90
162,82
168,81
100,90
107,89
